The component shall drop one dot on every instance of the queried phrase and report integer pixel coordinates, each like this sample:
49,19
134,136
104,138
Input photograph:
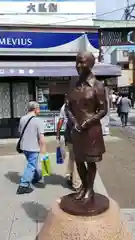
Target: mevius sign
43,40
36,40
15,42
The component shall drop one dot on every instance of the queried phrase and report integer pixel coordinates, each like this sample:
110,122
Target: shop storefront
50,94
38,64
16,91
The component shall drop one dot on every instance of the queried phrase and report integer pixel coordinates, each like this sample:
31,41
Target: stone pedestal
106,226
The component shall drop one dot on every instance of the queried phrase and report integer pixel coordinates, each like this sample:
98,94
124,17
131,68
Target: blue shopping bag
59,155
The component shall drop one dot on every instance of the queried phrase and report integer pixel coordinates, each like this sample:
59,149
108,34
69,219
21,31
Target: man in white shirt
118,103
114,98
72,175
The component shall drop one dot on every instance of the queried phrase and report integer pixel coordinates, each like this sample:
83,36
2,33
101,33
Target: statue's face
84,63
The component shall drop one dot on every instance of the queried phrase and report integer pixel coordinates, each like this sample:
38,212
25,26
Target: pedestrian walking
72,176
132,99
125,108
32,143
114,98
118,103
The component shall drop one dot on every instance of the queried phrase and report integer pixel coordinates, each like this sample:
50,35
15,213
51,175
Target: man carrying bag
72,176
31,143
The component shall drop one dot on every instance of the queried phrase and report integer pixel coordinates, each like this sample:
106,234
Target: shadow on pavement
39,185
35,211
14,177
132,121
55,179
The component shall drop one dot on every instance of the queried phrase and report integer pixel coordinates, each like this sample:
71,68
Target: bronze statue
87,106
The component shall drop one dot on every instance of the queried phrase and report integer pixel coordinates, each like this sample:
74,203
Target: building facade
38,62
123,57
38,65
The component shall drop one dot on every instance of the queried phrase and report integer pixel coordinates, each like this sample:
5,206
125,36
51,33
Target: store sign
14,41
1,71
17,72
42,7
42,72
41,40
49,123
62,7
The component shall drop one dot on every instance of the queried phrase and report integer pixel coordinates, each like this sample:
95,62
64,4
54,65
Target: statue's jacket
88,105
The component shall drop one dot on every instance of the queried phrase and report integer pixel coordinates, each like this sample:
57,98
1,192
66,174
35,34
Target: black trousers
114,105
124,118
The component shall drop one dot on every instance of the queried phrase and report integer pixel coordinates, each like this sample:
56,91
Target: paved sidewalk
22,216
14,140
8,146
117,172
115,120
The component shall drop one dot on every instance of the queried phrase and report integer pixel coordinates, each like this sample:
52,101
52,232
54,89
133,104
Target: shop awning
44,69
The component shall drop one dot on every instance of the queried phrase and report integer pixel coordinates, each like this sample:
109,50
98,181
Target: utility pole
129,11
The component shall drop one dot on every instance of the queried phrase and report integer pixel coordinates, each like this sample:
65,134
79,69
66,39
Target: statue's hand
77,128
84,124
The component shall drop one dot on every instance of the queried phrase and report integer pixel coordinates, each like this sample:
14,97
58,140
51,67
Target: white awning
35,69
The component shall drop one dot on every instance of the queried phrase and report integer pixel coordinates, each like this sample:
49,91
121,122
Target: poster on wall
42,94
49,123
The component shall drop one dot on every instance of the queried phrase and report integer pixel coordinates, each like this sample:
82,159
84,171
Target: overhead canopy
102,69
44,69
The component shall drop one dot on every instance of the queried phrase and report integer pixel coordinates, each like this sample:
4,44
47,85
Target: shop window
56,101
5,111
50,93
20,99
